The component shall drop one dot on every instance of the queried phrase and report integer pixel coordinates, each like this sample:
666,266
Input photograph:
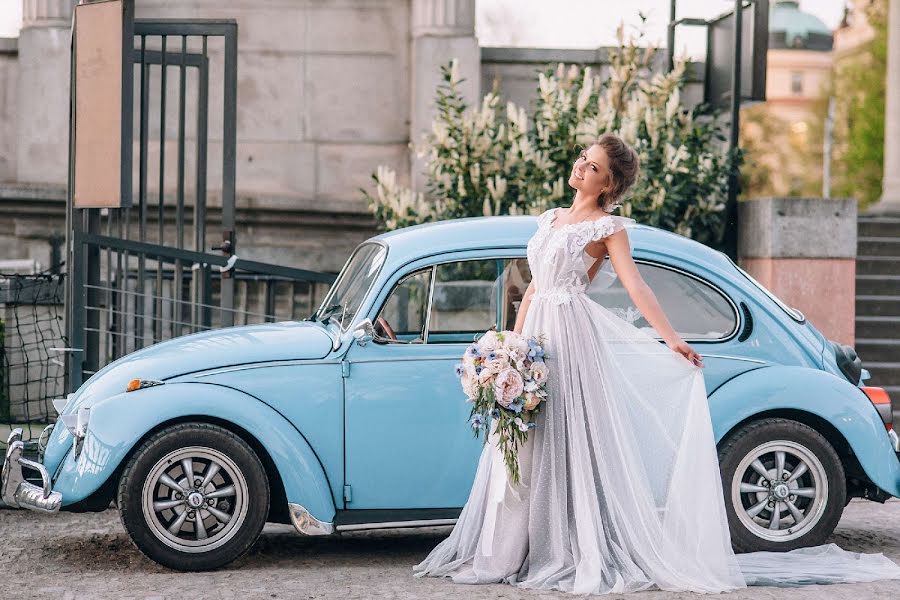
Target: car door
408,441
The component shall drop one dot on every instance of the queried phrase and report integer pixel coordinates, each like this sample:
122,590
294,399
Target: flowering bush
497,160
504,376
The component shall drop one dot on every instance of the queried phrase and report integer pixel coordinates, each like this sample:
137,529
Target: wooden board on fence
98,115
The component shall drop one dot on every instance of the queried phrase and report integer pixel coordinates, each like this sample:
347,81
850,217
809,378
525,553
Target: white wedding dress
620,488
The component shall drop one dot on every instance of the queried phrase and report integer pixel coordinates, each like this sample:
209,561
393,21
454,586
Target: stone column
442,30
890,193
803,250
43,91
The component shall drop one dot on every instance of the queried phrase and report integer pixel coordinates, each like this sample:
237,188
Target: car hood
292,340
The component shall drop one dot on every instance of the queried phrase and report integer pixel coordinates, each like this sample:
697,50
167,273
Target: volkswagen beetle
353,418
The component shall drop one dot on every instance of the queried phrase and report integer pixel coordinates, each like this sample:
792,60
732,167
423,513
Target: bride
620,487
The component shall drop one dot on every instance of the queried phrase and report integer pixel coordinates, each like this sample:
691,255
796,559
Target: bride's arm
523,307
644,299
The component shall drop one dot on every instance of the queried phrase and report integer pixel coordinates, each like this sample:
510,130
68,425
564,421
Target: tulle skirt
620,486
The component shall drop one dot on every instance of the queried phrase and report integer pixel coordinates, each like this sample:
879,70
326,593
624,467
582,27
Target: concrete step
877,306
878,285
878,226
867,264
878,349
878,245
868,326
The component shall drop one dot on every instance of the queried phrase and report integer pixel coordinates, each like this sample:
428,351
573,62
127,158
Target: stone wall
327,91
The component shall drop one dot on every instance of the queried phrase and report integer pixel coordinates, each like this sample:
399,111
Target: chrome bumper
18,493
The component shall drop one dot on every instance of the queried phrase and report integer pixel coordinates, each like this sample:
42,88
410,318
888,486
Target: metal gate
145,273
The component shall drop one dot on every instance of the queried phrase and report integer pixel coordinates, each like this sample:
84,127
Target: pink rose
508,386
531,401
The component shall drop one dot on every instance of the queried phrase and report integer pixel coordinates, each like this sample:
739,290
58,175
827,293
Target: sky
564,23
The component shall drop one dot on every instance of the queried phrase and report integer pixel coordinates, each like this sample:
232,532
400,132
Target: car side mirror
364,332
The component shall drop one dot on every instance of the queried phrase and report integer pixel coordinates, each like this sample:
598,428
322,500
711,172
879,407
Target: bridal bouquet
504,376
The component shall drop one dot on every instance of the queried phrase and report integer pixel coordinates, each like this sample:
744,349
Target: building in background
782,136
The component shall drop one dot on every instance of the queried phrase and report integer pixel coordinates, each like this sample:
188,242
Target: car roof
475,233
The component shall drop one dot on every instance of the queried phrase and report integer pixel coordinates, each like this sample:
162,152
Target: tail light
882,402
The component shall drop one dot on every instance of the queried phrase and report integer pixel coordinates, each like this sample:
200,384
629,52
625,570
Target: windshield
790,310
355,279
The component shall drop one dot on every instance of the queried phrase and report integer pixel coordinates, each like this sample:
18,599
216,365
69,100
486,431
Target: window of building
796,83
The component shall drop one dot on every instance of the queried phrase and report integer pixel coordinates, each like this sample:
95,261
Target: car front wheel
194,497
783,483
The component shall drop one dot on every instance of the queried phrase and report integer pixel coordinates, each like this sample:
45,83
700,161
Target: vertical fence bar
161,203
202,284
229,160
179,194
142,196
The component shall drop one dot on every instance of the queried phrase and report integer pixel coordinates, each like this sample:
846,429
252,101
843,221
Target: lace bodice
556,255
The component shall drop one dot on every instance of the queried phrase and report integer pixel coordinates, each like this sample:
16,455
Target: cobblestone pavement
88,556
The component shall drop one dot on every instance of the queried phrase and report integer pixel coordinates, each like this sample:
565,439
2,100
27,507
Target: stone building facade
327,91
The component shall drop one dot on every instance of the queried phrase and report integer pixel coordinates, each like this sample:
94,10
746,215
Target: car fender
117,423
842,404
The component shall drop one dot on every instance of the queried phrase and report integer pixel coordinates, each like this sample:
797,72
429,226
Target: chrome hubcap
195,499
779,490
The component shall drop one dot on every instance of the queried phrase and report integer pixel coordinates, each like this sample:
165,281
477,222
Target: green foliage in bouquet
497,160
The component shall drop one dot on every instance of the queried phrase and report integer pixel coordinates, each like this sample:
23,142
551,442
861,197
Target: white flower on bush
508,386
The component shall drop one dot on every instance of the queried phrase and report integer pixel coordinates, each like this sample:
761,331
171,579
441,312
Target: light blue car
354,418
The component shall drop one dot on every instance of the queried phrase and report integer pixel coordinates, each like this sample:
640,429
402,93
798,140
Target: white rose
539,372
489,341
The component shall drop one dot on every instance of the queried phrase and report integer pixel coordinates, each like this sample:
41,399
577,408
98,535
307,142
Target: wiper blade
328,311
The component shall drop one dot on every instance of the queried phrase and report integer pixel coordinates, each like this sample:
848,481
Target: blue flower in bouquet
492,355
473,351
495,413
459,369
477,421
516,405
535,351
478,369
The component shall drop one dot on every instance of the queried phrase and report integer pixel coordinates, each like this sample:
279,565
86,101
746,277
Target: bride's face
590,173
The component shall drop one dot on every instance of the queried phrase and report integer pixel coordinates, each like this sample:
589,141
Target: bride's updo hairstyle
624,166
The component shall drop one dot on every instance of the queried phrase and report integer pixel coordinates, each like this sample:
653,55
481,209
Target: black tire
821,486
217,541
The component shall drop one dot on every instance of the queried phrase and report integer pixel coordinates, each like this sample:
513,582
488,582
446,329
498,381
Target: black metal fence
32,371
166,263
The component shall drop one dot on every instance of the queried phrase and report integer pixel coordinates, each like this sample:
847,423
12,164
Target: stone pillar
804,251
442,30
890,193
43,91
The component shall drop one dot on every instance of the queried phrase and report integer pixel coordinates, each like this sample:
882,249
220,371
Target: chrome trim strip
895,440
740,358
307,524
265,365
396,524
430,303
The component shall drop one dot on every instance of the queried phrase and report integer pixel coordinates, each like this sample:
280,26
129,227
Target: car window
696,309
406,307
471,296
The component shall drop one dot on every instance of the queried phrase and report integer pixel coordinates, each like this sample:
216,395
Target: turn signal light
139,384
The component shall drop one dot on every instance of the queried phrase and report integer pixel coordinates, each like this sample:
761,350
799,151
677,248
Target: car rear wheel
194,497
784,485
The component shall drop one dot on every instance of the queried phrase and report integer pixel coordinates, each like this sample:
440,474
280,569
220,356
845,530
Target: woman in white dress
620,487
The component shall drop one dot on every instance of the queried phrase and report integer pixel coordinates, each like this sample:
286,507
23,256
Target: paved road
88,556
